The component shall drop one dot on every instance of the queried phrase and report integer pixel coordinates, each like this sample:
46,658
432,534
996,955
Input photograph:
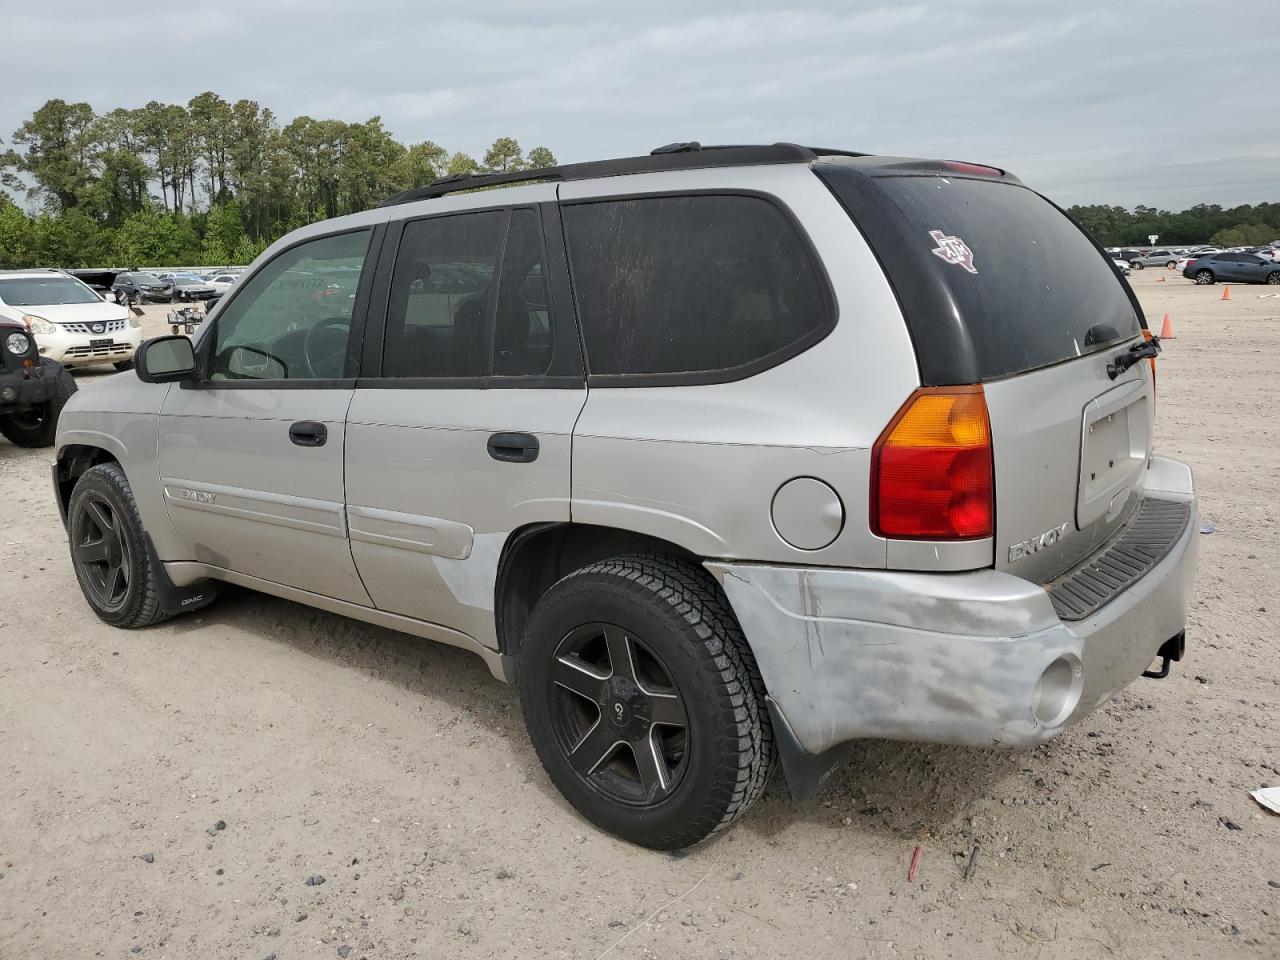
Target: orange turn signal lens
932,476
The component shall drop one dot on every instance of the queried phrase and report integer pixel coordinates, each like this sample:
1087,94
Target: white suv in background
72,324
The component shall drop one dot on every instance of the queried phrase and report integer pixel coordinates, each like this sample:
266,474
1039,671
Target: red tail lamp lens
931,469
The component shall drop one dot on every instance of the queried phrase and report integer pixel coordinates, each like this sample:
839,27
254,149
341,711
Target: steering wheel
320,357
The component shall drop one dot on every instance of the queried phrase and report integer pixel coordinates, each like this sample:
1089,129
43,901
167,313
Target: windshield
43,291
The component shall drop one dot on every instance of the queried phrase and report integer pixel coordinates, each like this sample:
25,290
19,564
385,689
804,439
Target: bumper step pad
1121,563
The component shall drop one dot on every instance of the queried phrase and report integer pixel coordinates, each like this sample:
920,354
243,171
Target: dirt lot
399,772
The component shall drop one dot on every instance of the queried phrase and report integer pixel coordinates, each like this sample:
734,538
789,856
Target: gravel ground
265,780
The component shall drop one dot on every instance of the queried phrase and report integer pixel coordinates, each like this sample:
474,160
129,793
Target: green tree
17,237
150,238
504,156
212,130
61,152
540,157
1245,235
461,163
222,234
421,164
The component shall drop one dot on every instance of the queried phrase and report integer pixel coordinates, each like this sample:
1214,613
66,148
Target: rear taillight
931,468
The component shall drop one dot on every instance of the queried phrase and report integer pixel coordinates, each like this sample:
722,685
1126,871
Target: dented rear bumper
979,658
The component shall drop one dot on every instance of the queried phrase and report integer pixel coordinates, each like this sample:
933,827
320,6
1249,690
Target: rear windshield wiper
1139,351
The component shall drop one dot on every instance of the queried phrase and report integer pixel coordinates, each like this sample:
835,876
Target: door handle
514,447
308,433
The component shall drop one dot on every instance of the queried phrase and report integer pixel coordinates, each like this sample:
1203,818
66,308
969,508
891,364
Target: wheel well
73,461
538,555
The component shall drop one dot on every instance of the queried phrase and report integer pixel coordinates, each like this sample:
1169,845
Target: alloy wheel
618,715
100,549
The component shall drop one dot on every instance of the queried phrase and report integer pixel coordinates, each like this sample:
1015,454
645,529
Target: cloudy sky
1115,101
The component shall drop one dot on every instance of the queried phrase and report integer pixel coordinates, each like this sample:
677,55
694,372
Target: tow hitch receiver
1170,650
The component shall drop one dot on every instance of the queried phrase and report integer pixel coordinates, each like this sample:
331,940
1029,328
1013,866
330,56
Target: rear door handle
308,433
514,447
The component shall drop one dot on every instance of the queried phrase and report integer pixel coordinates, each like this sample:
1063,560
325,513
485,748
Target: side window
691,284
469,298
522,333
292,319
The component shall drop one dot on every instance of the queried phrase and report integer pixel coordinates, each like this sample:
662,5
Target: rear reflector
931,468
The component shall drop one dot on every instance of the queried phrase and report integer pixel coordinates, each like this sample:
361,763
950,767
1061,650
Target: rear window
1027,287
705,287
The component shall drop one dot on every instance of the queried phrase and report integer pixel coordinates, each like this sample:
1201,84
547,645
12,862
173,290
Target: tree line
211,182
215,182
1241,226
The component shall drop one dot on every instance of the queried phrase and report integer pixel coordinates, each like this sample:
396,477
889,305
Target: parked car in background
221,282
1121,265
190,289
1188,257
1156,258
141,287
73,325
1125,254
949,527
1232,267
33,389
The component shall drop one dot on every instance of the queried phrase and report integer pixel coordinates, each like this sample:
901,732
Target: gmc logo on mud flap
1035,544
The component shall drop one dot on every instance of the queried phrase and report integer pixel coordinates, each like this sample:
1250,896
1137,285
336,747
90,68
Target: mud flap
175,599
806,773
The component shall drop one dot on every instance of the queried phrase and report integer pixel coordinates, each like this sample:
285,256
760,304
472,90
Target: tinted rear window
705,286
1026,285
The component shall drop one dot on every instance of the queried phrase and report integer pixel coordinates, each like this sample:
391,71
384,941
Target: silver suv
724,455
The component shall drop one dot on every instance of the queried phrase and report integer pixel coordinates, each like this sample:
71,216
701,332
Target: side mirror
165,359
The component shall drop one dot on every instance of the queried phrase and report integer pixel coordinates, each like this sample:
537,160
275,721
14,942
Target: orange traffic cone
1166,329
1226,293
1162,279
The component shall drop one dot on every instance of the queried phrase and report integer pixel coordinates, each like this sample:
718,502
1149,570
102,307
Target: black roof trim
673,156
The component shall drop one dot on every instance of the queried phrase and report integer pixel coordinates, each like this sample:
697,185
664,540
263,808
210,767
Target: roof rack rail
673,156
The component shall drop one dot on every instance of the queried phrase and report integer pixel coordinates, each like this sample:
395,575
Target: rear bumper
975,658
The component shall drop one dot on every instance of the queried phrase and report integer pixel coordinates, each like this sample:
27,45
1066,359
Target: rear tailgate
999,287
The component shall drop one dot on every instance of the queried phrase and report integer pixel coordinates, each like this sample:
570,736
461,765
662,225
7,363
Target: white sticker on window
953,250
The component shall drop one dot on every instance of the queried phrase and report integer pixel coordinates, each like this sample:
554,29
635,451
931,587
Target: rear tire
38,426
109,550
1204,277
644,702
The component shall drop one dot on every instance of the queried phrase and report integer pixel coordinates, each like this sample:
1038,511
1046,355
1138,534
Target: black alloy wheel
99,550
644,701
618,715
109,550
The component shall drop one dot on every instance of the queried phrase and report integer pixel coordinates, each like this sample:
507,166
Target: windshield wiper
1139,351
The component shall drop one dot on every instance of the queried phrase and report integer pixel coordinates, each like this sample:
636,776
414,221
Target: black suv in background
144,286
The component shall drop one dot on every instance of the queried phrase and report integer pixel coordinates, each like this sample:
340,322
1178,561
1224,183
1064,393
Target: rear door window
708,287
994,280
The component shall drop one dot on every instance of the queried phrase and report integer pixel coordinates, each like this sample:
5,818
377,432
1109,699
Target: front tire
644,702
123,365
1204,277
1273,278
38,426
109,552
1135,265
